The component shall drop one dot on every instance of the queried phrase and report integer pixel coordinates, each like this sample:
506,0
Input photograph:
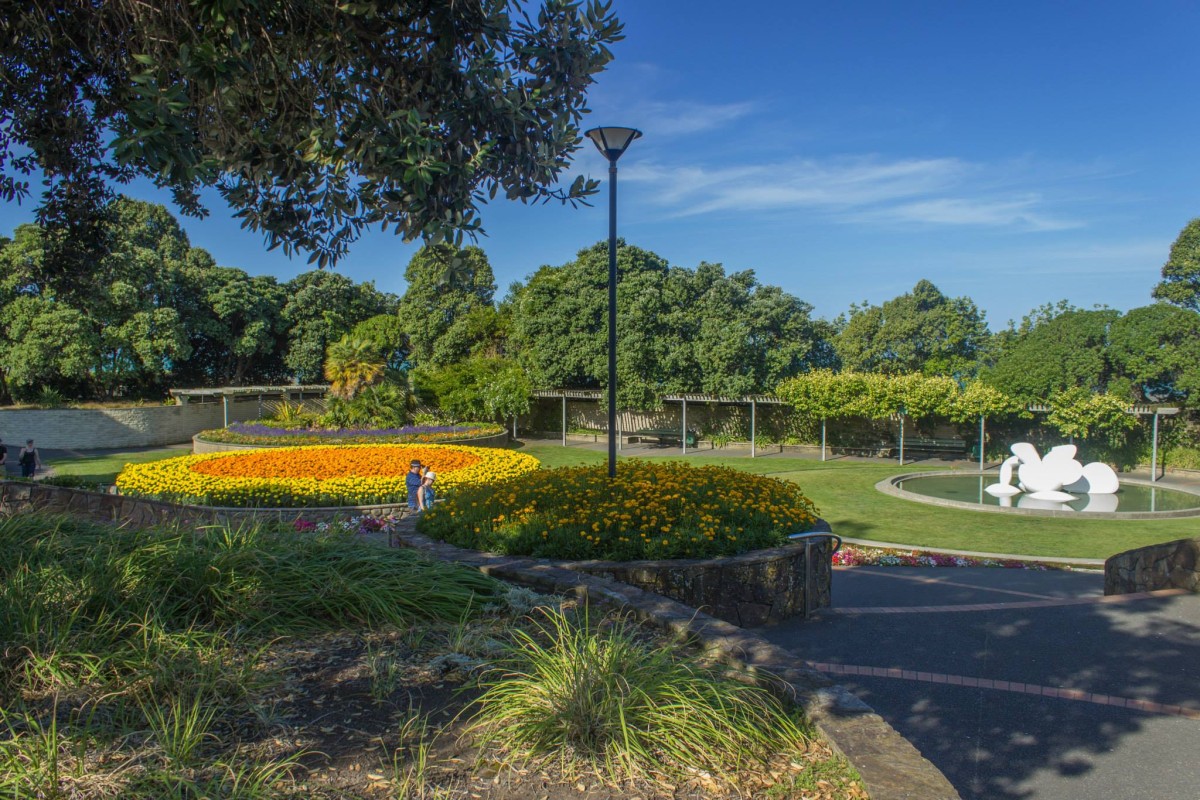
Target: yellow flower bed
317,475
652,509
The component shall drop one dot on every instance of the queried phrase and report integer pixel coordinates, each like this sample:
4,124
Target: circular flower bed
296,477
260,434
652,510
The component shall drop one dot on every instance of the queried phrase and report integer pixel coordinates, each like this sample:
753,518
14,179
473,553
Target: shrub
604,699
271,433
653,509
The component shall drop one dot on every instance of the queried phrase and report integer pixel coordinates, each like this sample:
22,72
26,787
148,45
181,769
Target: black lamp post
612,142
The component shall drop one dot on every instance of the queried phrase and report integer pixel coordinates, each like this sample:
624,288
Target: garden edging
891,768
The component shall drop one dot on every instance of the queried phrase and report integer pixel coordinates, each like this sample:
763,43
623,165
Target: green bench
666,436
924,444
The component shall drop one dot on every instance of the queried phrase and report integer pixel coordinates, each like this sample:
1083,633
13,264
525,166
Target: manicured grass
104,468
845,496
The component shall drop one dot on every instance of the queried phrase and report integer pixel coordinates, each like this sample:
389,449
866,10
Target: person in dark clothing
412,482
3,459
29,460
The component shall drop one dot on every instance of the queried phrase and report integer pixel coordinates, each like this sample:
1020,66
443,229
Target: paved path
1021,684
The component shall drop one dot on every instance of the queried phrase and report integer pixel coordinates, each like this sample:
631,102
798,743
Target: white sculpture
1044,479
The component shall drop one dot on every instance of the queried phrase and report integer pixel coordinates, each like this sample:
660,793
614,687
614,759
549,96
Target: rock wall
1171,565
758,588
19,496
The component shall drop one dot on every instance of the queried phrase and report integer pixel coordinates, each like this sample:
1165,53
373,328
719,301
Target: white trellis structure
752,401
185,397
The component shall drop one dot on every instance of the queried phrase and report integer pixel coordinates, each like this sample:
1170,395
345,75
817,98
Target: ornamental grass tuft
81,602
652,510
601,698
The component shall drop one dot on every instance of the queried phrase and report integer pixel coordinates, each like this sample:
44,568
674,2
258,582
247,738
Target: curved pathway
1018,683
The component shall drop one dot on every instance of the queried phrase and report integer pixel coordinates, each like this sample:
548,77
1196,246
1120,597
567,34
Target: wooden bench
664,436
924,444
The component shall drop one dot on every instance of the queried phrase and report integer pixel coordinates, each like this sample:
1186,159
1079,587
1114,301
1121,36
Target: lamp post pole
612,142
612,318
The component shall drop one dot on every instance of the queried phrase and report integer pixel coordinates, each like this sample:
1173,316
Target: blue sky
1016,153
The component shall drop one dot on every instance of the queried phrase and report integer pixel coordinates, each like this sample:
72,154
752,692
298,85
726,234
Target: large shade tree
920,331
1065,351
313,120
449,290
1181,274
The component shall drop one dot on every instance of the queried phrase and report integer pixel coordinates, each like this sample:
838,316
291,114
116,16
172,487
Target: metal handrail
806,537
810,580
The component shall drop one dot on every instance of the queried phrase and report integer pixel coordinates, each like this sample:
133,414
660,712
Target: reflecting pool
1130,498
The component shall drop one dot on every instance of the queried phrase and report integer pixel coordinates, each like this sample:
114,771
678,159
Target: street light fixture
612,143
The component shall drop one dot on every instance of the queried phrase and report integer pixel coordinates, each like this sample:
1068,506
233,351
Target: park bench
925,444
666,436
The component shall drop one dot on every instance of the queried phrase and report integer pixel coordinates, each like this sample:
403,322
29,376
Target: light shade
612,142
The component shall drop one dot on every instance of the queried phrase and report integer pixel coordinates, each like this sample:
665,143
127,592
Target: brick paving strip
1047,603
1134,703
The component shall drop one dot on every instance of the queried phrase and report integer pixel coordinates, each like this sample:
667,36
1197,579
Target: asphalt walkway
1017,683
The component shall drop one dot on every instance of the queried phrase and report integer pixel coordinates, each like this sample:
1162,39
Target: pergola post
564,427
683,438
982,437
753,436
902,439
225,408
1154,451
822,438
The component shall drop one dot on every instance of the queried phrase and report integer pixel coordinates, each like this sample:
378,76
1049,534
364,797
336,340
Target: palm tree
351,365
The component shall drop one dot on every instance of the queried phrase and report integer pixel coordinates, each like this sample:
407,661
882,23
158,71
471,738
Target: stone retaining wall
1171,565
758,588
90,428
205,446
19,496
890,766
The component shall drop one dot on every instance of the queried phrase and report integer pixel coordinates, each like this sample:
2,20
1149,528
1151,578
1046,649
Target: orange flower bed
319,475
334,462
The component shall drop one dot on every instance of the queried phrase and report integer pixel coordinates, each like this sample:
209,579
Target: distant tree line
155,312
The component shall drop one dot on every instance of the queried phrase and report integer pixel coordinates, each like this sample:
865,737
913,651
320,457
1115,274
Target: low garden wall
19,496
753,589
92,428
200,445
1171,565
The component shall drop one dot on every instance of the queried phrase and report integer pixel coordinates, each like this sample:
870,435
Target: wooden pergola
185,396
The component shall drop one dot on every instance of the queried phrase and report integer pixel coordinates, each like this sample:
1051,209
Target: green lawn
845,495
104,468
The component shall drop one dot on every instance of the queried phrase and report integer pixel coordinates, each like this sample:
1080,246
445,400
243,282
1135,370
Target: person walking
3,459
412,482
29,460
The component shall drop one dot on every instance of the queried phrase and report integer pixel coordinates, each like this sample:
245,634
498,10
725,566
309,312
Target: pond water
1130,498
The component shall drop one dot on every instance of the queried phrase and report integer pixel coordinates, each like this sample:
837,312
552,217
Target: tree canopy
1180,283
678,330
312,120
921,331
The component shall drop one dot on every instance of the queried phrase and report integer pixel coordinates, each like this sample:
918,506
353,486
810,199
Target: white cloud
681,118
930,191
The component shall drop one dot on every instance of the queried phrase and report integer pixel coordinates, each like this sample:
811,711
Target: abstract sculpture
1051,479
